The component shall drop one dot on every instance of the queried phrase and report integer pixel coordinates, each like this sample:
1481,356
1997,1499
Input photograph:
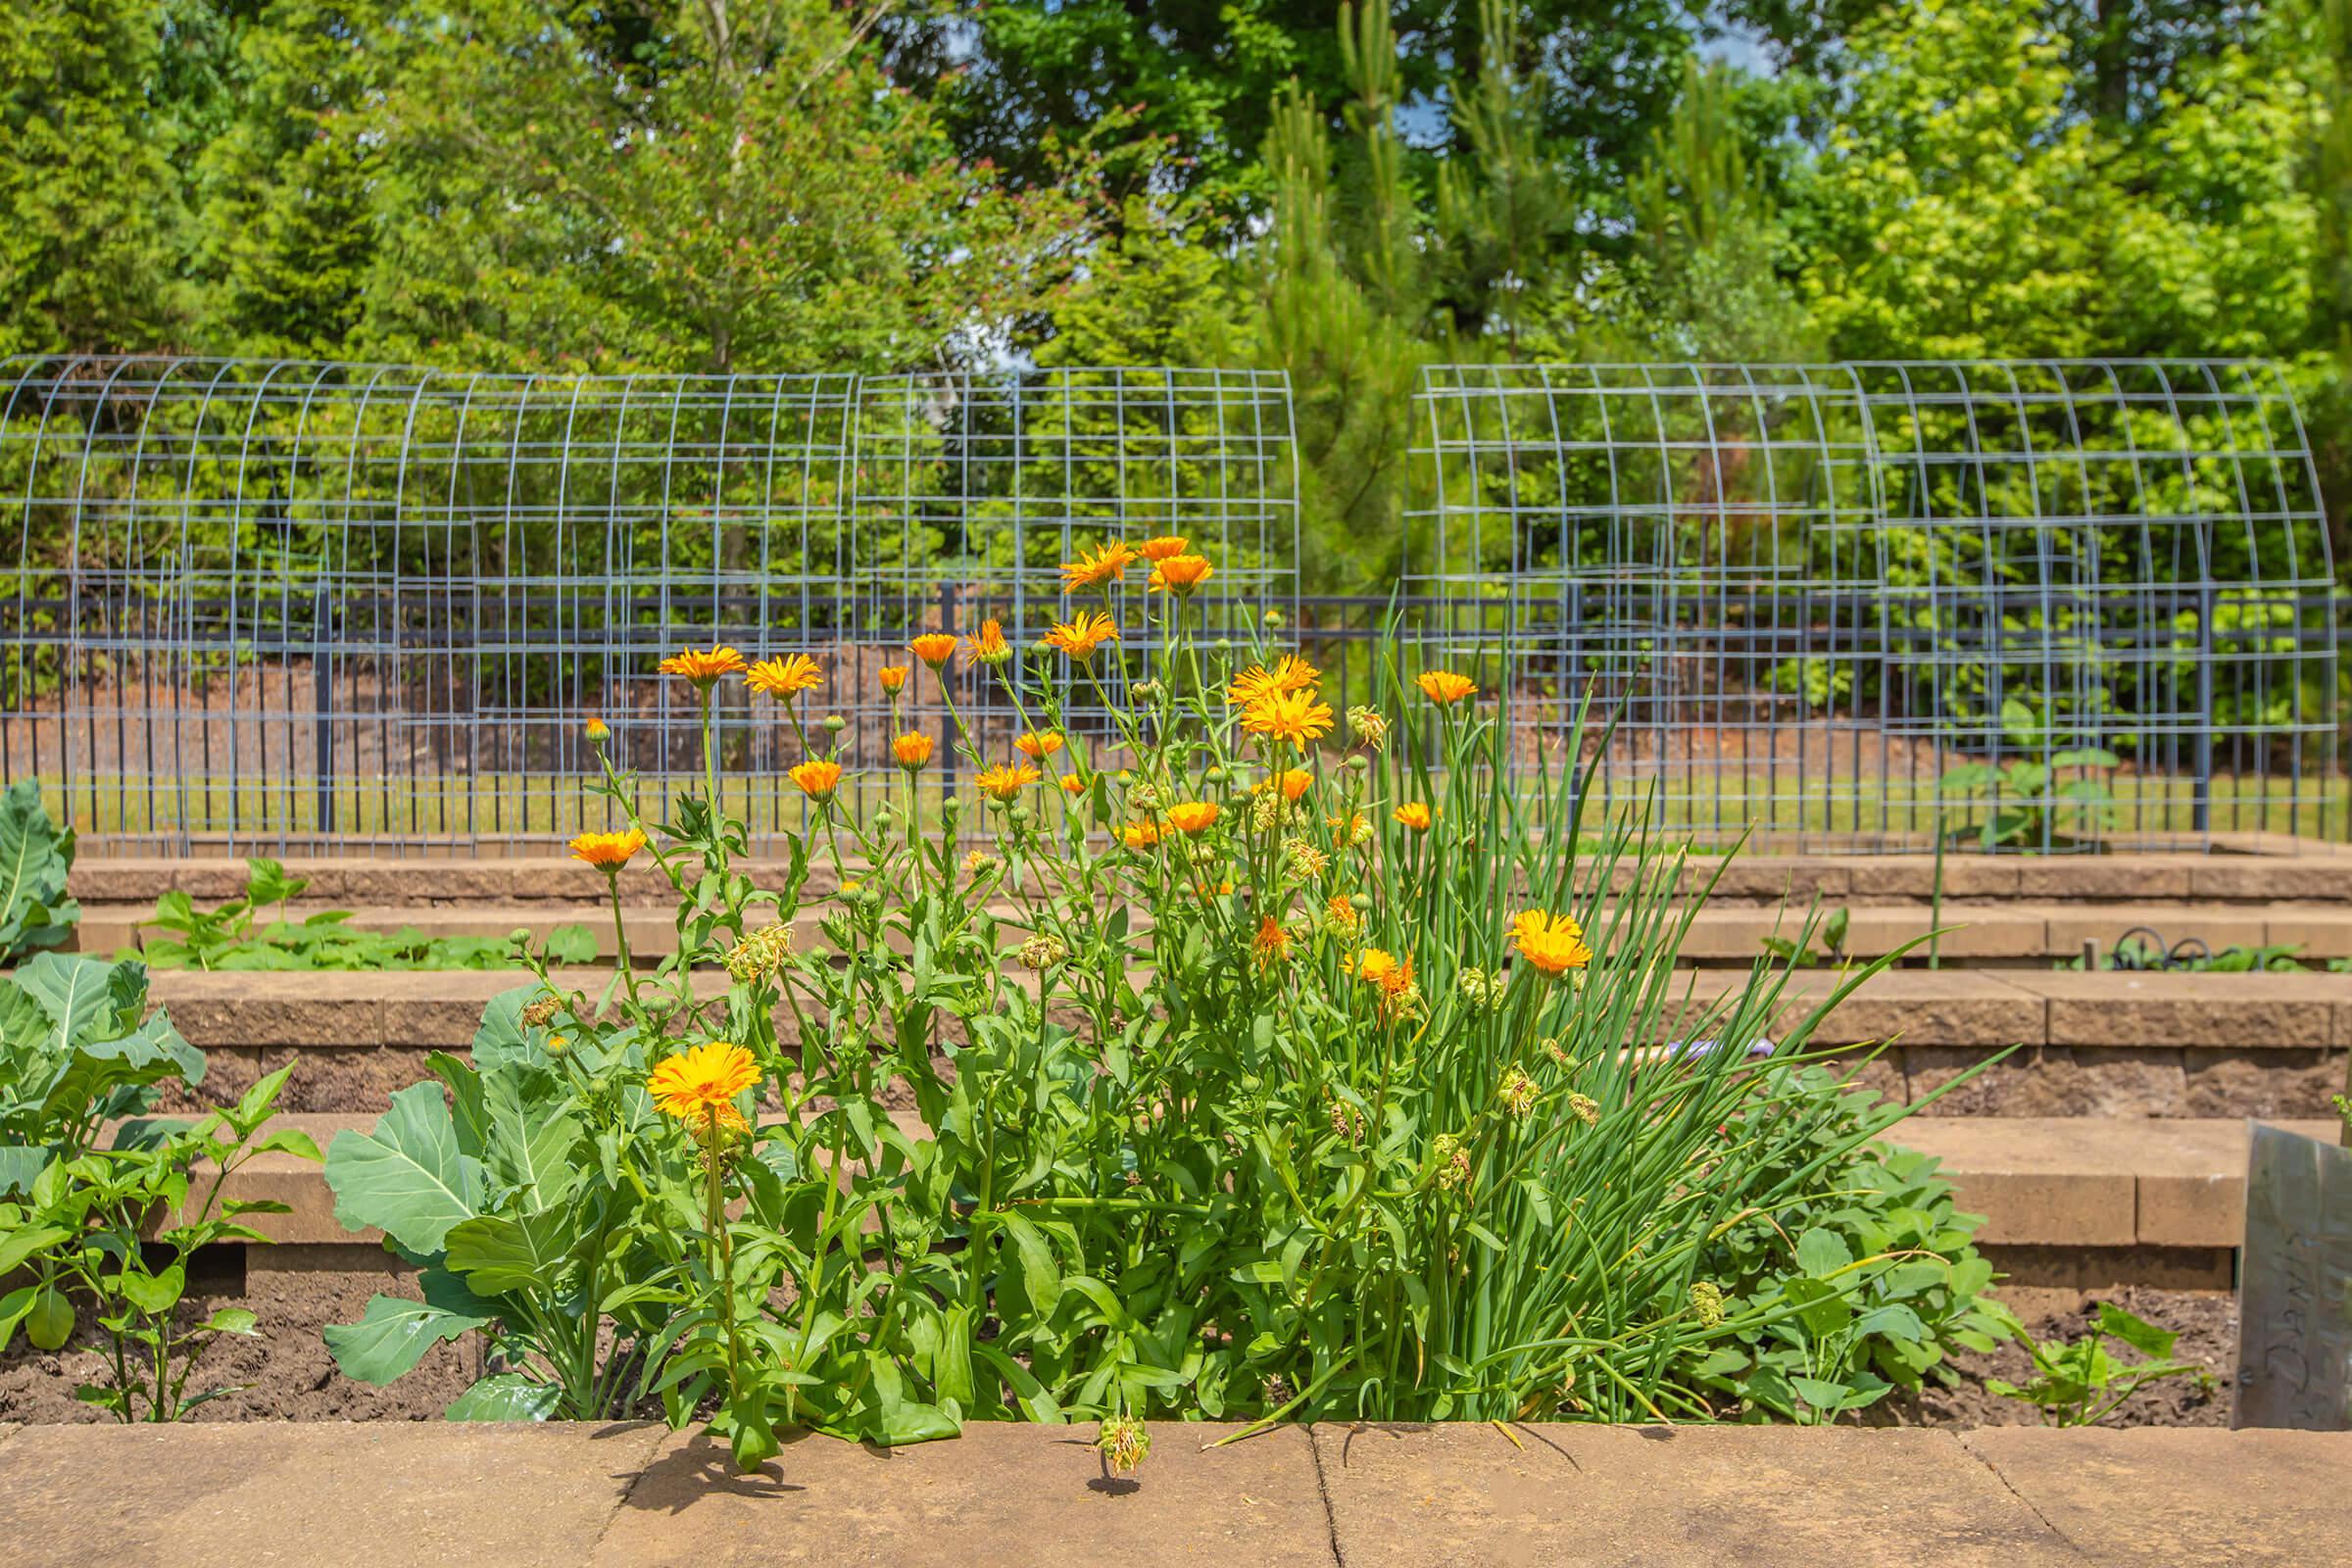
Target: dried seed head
540,1013
1043,952
1706,1302
1124,1444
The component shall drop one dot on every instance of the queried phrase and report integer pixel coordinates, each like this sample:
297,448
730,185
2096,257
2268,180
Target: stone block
2261,1083
2055,1081
2266,1010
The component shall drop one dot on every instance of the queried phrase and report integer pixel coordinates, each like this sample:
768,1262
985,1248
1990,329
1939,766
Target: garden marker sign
2294,1347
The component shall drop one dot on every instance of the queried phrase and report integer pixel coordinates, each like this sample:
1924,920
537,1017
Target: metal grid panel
269,608
1859,605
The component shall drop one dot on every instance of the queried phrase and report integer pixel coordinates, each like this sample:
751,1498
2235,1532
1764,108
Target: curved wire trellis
2025,604
265,607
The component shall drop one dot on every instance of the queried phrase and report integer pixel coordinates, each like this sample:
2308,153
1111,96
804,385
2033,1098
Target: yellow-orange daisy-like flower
699,1086
784,677
934,648
1040,743
1192,816
1004,782
1445,688
1390,976
1288,718
1140,835
1553,944
1416,815
1272,943
1162,548
1340,913
702,668
818,779
1294,782
892,678
1094,567
607,852
990,646
913,750
1291,673
1080,636
1072,784
1179,575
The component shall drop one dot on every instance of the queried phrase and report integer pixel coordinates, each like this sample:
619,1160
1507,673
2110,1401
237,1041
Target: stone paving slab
378,1495
1758,1497
2150,1496
999,1493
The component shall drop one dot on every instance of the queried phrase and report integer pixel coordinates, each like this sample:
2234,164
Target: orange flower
934,648
1179,575
1072,784
1005,782
1294,782
1288,718
1415,815
1273,943
990,646
1445,688
1095,567
596,729
1289,673
702,668
1140,835
913,750
1340,912
1192,817
1040,745
1159,549
818,779
1553,944
607,852
699,1086
893,678
784,677
1392,977
1081,635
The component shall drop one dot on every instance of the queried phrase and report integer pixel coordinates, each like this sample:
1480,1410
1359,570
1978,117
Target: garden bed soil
287,1374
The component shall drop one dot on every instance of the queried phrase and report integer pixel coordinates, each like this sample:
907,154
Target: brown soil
2205,1320
286,1375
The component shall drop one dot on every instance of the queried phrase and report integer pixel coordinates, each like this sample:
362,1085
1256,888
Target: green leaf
1821,1254
499,1252
407,1178
394,1334
505,1396
1040,1276
34,860
504,1040
571,944
2137,1332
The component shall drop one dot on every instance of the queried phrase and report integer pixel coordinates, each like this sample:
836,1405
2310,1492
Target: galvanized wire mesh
269,607
2036,605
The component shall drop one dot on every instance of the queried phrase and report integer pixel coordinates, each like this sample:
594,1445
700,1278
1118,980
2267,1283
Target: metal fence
274,607
267,608
2038,606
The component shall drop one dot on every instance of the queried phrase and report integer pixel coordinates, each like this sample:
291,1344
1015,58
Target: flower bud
835,723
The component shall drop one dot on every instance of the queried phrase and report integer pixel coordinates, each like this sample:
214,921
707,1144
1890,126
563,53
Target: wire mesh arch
275,606
2032,605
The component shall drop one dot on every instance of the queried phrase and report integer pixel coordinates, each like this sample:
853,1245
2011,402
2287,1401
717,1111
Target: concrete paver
2153,1495
379,1494
999,1493
1759,1496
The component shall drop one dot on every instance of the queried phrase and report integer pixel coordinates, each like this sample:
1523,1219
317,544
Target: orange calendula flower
702,668
784,677
607,852
1140,835
1192,816
818,779
892,678
1294,782
1272,943
1390,976
1094,567
1415,815
1179,575
1289,673
1040,743
699,1086
1163,546
1338,912
1553,944
1083,634
1072,784
990,646
1445,688
934,648
1288,718
913,750
1003,783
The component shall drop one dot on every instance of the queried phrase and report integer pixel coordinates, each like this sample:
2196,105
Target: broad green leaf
35,859
1821,1254
504,1039
407,1178
394,1334
502,1252
571,944
528,1135
505,1396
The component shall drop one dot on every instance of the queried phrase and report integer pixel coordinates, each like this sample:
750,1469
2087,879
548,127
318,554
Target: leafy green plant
113,1227
2077,1383
1823,944
35,858
2030,805
234,936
